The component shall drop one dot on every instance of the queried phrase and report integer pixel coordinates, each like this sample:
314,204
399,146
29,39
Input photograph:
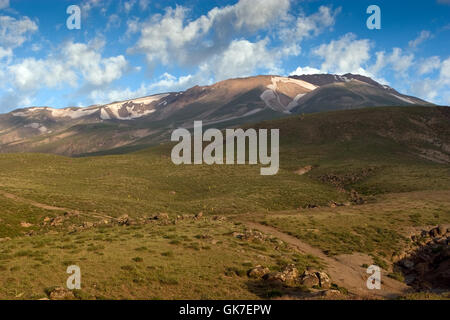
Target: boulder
324,280
309,279
290,273
124,220
258,272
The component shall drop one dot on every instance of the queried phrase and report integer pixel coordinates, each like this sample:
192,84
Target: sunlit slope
378,150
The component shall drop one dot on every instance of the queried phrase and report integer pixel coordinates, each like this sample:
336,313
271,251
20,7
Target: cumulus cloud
307,26
347,54
14,32
396,60
173,38
75,64
429,65
218,42
242,58
305,70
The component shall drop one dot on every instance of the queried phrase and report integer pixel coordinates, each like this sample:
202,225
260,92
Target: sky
131,48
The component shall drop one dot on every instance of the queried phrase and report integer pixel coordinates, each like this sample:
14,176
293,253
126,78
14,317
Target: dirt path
52,208
344,270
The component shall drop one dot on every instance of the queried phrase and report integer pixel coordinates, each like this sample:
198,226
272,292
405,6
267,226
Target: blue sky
131,48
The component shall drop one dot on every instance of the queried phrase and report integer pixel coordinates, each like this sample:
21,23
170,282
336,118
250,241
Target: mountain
136,123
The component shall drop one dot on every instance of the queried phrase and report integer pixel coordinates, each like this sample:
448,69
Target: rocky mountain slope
148,120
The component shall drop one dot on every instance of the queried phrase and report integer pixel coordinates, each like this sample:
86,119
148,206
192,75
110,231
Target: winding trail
344,270
52,208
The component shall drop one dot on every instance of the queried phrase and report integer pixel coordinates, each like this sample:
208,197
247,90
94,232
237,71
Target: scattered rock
87,225
60,293
57,221
258,272
199,215
124,220
330,294
425,264
324,279
303,170
309,279
288,274
160,216
25,225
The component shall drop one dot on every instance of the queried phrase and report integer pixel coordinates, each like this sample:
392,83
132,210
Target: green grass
179,261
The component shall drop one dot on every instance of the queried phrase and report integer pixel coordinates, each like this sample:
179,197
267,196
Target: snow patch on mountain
404,99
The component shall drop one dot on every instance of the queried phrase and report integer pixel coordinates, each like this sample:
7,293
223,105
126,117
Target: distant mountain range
137,123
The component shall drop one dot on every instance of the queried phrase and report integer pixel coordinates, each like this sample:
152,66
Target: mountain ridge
232,102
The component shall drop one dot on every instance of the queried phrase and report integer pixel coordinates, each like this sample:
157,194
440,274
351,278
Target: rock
434,232
258,272
199,215
238,235
160,216
60,293
87,225
324,280
309,279
5,239
408,264
441,230
274,277
172,193
219,218
124,220
290,273
331,293
57,221
303,170
25,225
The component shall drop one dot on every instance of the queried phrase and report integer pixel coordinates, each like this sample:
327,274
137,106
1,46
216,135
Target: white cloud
396,60
5,53
307,26
14,32
444,75
101,96
143,4
305,70
429,65
31,74
242,58
113,22
424,35
75,64
173,38
344,55
4,4
128,5
95,69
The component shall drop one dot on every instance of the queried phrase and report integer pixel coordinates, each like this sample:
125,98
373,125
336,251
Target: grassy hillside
378,152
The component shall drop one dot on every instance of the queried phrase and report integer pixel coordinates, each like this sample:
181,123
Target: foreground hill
353,187
139,123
